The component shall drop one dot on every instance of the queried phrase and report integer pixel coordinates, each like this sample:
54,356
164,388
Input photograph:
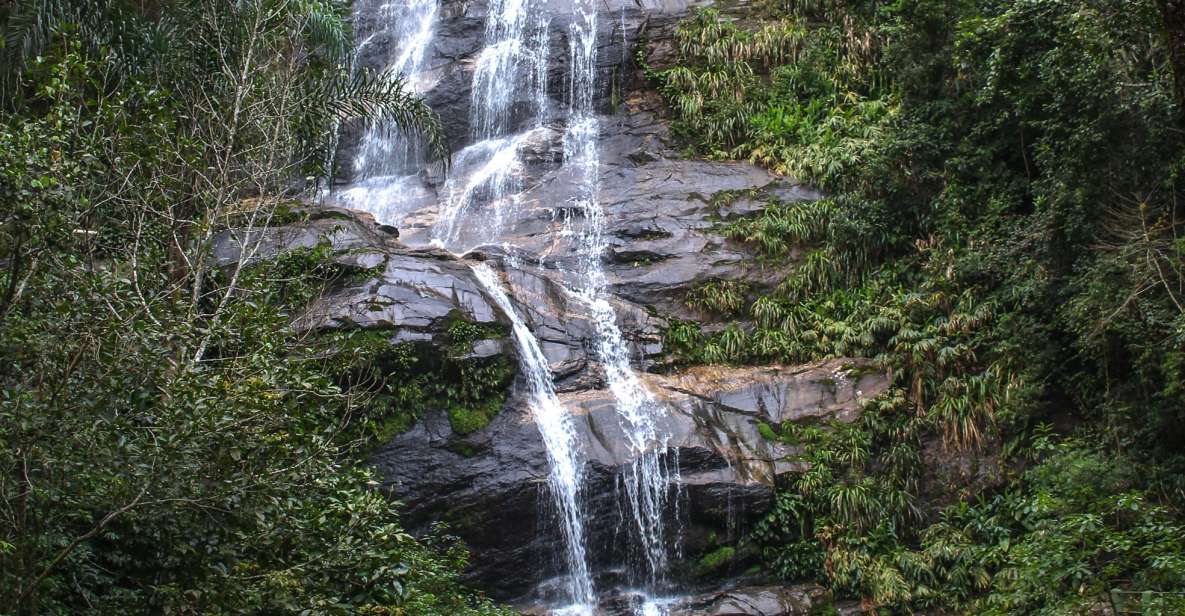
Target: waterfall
513,62
509,112
559,439
647,480
408,28
515,50
487,176
386,164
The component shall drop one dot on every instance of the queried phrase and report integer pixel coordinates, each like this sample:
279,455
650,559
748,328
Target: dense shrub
168,443
1003,230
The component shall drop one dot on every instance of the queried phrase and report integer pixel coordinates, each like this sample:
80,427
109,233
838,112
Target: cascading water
515,50
559,439
648,480
408,30
487,176
480,198
513,61
386,164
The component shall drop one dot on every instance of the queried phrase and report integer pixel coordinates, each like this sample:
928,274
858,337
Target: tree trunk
1173,14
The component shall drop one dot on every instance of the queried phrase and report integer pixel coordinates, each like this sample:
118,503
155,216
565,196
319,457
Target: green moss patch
715,560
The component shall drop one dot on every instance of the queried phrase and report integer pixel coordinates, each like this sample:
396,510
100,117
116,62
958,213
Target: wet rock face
560,321
412,292
663,229
664,212
753,601
664,216
493,494
624,28
460,37
344,230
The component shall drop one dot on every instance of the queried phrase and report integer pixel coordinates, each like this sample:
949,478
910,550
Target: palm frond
29,26
385,97
325,24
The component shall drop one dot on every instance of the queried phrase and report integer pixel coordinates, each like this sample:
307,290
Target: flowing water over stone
387,161
480,198
511,112
609,475
648,479
559,438
407,28
514,59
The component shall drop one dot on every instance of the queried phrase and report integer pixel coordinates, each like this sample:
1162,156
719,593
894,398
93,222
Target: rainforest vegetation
167,444
1003,230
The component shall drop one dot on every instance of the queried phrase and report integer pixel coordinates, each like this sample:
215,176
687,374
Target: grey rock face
663,227
414,292
559,319
411,292
726,467
664,217
753,601
624,27
728,405
344,230
663,231
459,39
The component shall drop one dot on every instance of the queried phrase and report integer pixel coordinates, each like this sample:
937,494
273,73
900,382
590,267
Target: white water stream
559,439
407,28
647,479
481,198
512,67
387,162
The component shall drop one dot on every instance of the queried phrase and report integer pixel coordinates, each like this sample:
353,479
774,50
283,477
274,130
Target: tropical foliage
1003,233
168,442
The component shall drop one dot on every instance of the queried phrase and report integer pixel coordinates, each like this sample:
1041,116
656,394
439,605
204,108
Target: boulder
412,292
344,229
